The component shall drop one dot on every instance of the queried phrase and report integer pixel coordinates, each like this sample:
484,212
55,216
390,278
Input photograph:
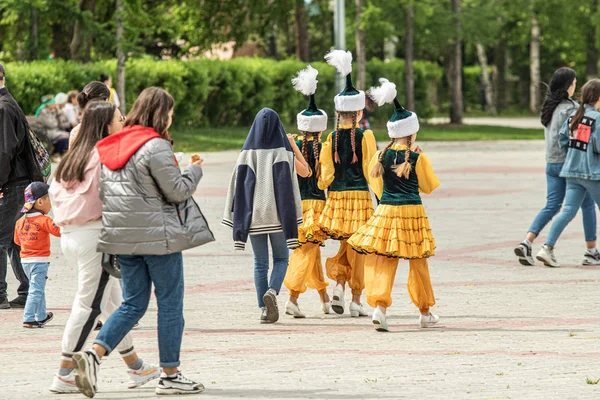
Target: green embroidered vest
309,189
399,191
348,176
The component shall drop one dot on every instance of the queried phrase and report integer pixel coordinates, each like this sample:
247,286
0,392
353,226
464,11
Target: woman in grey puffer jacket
148,218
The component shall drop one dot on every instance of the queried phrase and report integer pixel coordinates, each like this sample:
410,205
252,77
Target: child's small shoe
326,307
293,310
426,320
357,310
337,303
32,324
48,318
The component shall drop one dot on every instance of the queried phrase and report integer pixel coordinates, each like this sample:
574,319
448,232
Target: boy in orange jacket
32,233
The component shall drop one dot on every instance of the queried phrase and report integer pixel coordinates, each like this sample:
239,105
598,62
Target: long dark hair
94,127
590,93
93,91
151,109
561,80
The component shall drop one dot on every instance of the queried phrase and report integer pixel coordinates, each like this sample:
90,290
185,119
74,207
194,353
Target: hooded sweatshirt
116,150
264,196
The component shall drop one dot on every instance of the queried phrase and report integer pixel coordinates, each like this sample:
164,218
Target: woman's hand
196,160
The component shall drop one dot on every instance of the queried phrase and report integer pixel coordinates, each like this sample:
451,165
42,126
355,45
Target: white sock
593,251
527,242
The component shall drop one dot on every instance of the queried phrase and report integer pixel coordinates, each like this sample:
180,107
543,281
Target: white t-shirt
71,111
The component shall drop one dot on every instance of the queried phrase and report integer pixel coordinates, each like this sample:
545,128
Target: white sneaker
523,251
427,320
142,376
546,255
337,302
293,310
326,307
64,384
270,300
379,321
177,385
263,316
87,365
357,310
590,258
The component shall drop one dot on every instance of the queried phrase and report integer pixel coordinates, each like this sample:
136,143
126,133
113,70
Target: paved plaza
506,331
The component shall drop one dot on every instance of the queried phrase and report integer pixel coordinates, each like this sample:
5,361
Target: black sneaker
4,304
18,302
48,318
177,384
523,251
32,324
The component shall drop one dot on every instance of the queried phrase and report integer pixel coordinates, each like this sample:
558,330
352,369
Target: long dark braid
317,153
377,170
353,138
304,144
336,156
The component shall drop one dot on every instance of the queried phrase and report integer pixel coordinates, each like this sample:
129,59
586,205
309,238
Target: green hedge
216,93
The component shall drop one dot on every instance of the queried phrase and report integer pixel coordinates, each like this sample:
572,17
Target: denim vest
582,147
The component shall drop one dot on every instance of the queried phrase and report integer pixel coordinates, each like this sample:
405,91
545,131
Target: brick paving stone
506,331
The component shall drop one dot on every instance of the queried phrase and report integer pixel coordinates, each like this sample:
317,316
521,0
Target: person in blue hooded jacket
580,138
264,204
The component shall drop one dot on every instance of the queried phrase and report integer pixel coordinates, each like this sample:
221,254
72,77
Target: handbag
111,265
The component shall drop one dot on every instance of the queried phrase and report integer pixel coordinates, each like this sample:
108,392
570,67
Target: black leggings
61,145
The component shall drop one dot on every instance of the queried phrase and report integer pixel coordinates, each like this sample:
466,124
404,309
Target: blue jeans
281,255
139,273
556,189
35,306
577,191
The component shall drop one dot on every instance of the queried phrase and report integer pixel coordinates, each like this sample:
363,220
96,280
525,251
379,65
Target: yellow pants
379,279
305,270
348,266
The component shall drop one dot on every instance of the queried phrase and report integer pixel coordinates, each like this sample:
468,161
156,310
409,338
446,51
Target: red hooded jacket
116,149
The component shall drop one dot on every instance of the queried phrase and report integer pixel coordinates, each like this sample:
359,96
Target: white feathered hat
403,123
312,119
348,99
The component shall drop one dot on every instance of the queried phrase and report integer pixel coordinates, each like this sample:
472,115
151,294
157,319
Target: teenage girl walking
399,228
305,268
557,107
263,203
580,135
344,162
78,211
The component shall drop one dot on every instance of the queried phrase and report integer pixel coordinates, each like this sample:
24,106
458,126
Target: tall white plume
385,93
306,81
341,60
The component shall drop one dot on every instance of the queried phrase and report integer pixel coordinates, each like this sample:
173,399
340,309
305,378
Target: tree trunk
591,62
361,56
121,58
273,52
33,53
81,43
455,69
302,41
500,81
409,81
485,79
534,54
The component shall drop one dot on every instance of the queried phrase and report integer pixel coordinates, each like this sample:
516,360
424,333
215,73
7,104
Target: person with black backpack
18,168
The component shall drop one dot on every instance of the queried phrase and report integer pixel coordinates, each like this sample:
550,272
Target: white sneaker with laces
293,310
591,258
523,251
427,320
357,310
379,321
64,384
177,384
87,365
546,255
142,376
337,302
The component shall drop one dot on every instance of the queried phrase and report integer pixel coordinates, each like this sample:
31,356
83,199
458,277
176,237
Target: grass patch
232,138
591,381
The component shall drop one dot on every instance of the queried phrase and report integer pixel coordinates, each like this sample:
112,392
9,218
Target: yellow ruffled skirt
396,231
309,231
345,212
